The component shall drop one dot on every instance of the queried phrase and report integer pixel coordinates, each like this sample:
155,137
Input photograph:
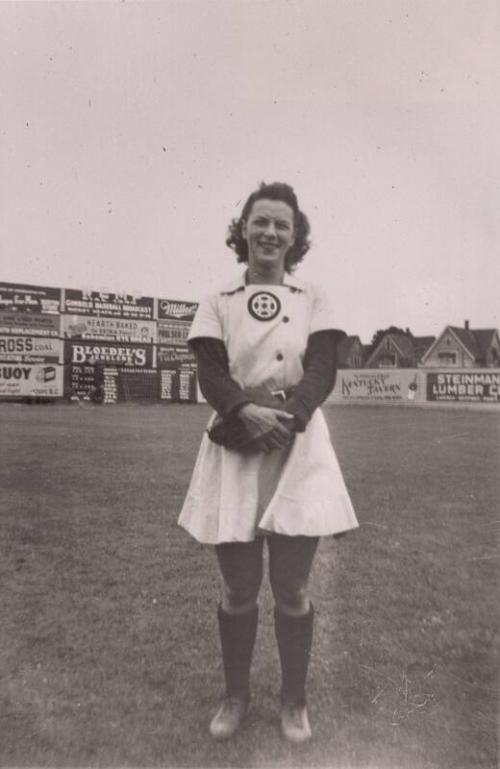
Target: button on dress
298,490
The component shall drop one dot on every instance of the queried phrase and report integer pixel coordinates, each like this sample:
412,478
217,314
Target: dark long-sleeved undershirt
226,396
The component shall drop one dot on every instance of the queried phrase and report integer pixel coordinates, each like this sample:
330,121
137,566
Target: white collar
239,283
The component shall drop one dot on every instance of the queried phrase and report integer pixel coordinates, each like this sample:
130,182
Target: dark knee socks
294,637
237,637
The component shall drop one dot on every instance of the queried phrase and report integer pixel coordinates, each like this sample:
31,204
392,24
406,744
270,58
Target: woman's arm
320,370
227,397
221,391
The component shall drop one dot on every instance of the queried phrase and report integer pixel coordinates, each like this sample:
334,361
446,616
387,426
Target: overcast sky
131,133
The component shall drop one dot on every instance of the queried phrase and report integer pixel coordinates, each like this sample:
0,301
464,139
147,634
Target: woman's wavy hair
274,191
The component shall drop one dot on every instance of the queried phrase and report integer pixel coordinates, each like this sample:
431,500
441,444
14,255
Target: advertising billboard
464,386
108,329
29,349
377,385
25,298
118,354
173,309
103,304
29,323
174,321
25,380
173,331
171,356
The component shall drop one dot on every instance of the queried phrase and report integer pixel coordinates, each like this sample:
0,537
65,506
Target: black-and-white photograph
250,384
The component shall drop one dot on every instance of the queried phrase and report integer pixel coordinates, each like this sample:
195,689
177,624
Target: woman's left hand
272,428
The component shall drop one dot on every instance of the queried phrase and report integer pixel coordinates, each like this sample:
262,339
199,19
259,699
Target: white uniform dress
297,490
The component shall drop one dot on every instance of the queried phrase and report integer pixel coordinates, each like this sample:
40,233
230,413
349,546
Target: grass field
108,643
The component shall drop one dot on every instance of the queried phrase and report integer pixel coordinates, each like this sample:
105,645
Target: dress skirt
296,491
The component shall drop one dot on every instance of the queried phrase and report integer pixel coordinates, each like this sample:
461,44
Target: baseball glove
231,431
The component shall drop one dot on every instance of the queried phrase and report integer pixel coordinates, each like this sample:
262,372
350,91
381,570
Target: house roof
467,338
410,347
421,344
403,343
484,338
347,342
475,341
346,345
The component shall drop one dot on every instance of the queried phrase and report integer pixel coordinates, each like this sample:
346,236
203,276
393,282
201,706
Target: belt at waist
283,394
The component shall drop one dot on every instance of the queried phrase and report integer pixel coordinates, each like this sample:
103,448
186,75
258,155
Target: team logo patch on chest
264,306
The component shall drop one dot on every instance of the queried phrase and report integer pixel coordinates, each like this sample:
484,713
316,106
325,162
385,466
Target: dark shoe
228,718
295,725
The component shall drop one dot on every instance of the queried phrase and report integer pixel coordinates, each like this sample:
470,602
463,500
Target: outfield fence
417,387
61,343
71,344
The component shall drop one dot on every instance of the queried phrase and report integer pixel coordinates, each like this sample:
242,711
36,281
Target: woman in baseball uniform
268,328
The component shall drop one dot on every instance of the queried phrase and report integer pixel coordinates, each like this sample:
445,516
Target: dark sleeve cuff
300,413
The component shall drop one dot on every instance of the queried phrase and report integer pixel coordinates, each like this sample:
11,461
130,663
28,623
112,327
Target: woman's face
269,232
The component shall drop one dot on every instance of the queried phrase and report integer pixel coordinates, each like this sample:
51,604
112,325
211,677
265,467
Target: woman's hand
272,427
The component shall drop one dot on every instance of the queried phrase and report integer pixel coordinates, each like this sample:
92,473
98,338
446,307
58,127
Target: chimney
466,325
